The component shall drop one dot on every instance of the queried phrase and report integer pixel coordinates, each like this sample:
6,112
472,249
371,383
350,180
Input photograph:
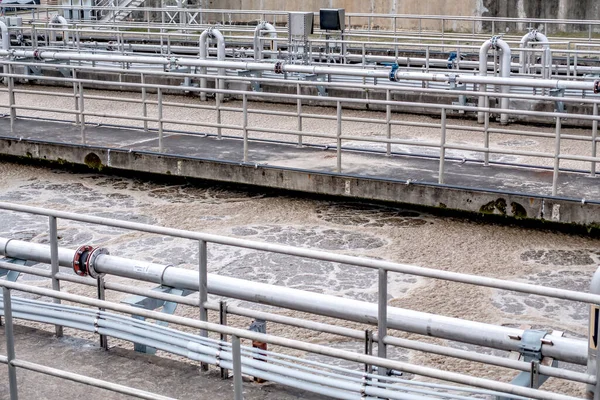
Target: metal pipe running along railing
237,333
317,377
281,67
569,350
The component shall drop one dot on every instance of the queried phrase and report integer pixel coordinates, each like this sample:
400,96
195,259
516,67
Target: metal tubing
442,147
82,113
245,125
10,344
59,20
547,55
11,99
203,287
594,140
237,368
144,101
5,45
54,268
264,28
160,121
556,158
382,319
212,34
339,137
565,349
593,357
504,73
295,344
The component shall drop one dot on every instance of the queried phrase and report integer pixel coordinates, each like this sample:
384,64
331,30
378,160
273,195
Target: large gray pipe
592,391
497,44
264,28
62,22
305,69
492,336
5,36
535,36
212,34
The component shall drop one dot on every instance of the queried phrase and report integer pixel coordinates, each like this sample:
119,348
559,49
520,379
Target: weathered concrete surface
512,192
125,367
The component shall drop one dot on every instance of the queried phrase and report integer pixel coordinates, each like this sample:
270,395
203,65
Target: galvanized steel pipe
565,349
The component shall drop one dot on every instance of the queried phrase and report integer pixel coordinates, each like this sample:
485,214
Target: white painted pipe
62,22
492,336
264,28
5,36
212,34
501,45
535,36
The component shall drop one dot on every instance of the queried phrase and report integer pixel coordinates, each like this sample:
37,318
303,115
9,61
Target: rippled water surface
374,231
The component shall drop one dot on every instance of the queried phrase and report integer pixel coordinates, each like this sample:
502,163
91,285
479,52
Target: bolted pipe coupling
278,67
84,259
597,87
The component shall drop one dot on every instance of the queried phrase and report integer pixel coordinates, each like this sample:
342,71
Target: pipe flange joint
90,263
393,72
173,63
279,67
36,55
80,260
495,42
597,87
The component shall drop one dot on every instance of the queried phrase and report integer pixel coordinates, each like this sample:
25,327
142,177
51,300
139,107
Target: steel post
223,337
10,344
160,121
144,101
382,318
388,118
203,288
75,96
237,368
556,157
299,112
54,265
594,139
11,98
486,131
245,125
339,137
442,147
100,291
81,113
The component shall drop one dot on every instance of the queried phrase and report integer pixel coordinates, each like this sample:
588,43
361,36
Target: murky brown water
533,256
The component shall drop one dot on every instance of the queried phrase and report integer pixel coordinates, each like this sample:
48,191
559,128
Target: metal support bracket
315,78
253,84
462,99
560,105
530,350
12,276
149,303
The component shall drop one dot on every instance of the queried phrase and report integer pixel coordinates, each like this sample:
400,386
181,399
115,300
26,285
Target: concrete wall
546,9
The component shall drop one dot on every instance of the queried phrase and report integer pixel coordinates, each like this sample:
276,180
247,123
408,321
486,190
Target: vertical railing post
594,139
144,101
81,113
101,296
556,158
203,289
486,131
245,124
382,318
53,232
218,108
339,137
223,321
299,111
442,147
388,119
76,97
11,98
160,120
10,343
237,368
368,349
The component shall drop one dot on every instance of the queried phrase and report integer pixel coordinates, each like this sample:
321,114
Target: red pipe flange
80,260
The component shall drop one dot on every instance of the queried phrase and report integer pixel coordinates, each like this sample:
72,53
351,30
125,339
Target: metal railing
385,317
155,114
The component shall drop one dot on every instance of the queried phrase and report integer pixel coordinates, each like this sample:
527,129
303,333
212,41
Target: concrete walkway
150,373
470,186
